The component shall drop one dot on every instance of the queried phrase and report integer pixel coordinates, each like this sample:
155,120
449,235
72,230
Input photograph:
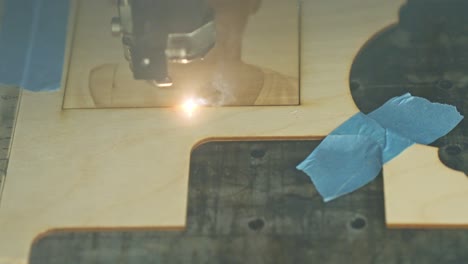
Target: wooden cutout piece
421,192
128,168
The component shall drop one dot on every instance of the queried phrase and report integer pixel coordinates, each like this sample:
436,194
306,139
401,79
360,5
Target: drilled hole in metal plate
444,84
453,150
358,223
354,85
256,224
258,153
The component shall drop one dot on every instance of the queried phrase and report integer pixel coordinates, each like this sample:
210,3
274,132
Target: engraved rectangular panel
233,53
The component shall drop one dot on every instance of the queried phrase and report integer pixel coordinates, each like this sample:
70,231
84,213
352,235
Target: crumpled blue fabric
354,153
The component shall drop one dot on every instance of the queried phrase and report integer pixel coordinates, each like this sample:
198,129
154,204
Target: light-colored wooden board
128,168
421,192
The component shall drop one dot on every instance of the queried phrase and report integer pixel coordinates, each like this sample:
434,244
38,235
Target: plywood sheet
421,192
128,168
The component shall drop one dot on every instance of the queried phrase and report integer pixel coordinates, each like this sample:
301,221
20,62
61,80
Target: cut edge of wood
253,138
427,226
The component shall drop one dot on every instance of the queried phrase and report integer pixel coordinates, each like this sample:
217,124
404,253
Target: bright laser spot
190,106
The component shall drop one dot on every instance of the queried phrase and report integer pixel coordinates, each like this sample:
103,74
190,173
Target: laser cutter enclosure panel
128,168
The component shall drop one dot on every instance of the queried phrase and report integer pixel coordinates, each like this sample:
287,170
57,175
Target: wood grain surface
420,191
128,168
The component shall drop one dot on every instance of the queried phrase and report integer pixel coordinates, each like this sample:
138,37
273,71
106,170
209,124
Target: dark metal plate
425,54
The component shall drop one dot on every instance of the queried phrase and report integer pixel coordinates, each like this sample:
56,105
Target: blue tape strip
354,153
342,164
417,118
32,43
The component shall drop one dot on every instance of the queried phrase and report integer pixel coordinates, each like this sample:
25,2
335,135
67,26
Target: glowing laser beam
191,105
